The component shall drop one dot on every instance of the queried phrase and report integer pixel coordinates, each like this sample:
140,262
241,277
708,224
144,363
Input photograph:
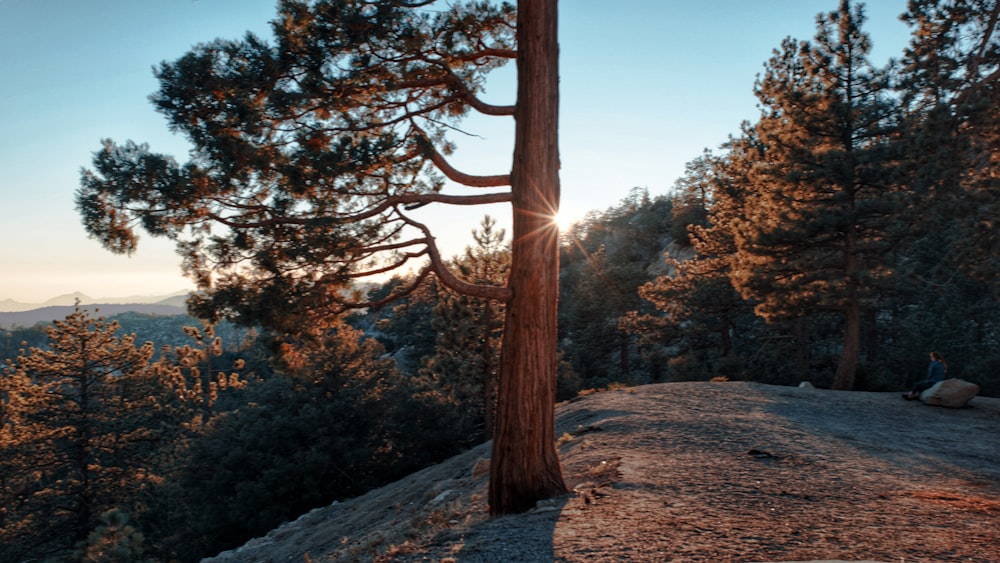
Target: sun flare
563,221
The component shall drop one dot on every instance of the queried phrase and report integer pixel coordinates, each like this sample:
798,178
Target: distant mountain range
15,313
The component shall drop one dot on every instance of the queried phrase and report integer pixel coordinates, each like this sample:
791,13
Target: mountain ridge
176,298
16,314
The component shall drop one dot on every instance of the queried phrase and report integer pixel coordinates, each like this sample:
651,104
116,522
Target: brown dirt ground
717,472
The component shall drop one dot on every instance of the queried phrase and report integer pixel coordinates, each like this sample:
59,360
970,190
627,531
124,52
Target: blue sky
646,85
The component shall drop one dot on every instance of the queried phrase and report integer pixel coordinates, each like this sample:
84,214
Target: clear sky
646,85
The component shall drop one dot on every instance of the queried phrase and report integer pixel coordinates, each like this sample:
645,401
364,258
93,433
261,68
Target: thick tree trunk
848,366
525,467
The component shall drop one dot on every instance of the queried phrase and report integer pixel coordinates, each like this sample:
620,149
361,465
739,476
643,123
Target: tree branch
457,176
449,280
489,52
463,90
386,300
390,267
487,109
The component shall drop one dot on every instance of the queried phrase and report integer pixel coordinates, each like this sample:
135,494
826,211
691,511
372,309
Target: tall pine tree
698,308
815,221
310,155
950,84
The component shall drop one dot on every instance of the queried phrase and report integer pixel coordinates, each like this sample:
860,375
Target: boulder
953,393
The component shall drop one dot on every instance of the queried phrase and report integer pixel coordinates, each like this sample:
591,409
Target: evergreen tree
309,155
94,409
692,195
113,541
816,221
466,360
195,372
336,421
698,309
608,256
20,464
950,84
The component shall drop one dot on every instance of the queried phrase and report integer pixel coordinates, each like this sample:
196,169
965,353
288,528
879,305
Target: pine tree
698,308
114,540
20,462
950,84
608,256
814,222
466,360
93,405
336,420
311,153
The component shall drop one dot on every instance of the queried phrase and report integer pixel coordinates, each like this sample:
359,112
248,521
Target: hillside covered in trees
840,237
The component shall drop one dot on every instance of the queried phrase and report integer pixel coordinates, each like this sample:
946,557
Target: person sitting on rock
936,372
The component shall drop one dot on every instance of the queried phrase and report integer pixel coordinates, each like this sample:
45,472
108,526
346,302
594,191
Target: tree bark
524,465
848,366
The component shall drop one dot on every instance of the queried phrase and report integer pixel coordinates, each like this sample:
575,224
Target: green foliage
13,341
465,365
811,237
948,83
846,199
114,540
305,152
605,258
308,154
692,198
111,453
700,321
405,327
89,411
344,422
93,430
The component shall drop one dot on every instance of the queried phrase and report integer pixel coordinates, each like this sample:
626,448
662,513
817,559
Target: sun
563,221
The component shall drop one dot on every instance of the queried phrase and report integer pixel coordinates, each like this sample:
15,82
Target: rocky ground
718,472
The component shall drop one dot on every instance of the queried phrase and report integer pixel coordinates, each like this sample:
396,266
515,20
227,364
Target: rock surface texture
698,472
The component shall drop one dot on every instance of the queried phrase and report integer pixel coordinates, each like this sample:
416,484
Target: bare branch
463,178
370,250
488,109
481,199
390,267
475,102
